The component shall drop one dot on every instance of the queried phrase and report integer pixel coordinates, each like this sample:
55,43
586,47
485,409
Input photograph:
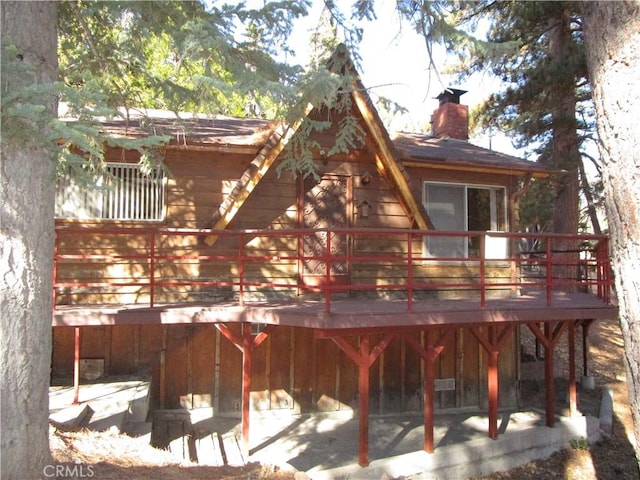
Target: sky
395,65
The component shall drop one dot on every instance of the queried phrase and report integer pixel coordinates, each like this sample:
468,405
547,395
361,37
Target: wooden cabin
394,281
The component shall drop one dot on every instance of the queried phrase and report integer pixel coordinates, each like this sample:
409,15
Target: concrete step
113,401
71,418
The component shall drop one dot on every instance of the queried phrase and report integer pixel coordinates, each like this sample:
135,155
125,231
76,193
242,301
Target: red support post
246,386
573,393
327,283
550,392
429,393
492,383
76,365
363,402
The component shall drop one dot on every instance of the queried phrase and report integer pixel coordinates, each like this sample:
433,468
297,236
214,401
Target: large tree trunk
564,146
612,35
26,236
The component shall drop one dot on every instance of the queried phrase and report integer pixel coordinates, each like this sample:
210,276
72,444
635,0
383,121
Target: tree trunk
565,147
27,237
612,35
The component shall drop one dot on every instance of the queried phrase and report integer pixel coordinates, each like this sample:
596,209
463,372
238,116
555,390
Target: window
124,193
459,208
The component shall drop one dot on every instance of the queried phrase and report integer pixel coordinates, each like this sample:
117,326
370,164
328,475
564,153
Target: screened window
125,192
459,208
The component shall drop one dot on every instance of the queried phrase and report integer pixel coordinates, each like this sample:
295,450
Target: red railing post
327,284
152,269
241,268
55,267
549,283
483,273
409,271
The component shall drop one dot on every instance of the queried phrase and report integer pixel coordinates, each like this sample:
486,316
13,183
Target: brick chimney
451,119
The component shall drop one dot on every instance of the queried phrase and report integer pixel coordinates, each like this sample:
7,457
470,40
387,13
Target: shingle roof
411,148
427,150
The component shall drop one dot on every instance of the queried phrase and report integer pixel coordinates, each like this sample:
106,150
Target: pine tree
547,102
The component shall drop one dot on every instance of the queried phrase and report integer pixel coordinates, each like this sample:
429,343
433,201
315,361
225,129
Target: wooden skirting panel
194,365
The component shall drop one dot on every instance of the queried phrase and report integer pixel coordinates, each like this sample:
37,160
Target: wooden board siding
291,370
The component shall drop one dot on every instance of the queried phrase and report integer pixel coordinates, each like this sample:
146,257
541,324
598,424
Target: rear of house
180,273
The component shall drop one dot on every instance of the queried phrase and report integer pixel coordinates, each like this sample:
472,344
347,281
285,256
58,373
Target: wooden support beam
429,353
246,386
363,403
76,365
549,338
550,391
493,342
246,343
573,393
364,357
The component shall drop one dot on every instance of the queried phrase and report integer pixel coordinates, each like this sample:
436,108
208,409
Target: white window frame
498,246
124,194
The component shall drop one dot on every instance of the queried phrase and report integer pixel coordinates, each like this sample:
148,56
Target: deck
376,285
350,313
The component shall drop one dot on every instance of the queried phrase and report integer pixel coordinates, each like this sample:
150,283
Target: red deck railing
163,265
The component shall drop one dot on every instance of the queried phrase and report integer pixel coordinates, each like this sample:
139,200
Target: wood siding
194,366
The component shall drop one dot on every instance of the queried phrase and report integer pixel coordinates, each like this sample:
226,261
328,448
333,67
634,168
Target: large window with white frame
125,192
465,207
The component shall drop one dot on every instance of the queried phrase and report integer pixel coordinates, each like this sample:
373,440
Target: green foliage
537,50
581,443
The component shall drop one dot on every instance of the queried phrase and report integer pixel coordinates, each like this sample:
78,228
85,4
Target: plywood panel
230,374
471,369
279,375
325,388
176,362
62,355
123,348
203,341
447,369
304,369
348,380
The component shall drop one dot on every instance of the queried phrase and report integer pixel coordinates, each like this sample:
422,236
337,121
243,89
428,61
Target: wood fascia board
467,168
217,148
260,165
387,159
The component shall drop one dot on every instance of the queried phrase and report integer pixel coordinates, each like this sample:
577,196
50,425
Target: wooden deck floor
349,313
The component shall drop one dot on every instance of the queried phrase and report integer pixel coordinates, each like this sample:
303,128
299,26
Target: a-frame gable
386,162
251,177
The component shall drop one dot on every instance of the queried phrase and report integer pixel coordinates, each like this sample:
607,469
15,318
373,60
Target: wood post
363,402
76,365
363,358
573,393
246,386
246,343
493,343
429,353
549,339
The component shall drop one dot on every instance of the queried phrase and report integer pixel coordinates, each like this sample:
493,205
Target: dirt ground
108,455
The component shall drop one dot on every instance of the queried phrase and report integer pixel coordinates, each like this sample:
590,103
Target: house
390,282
